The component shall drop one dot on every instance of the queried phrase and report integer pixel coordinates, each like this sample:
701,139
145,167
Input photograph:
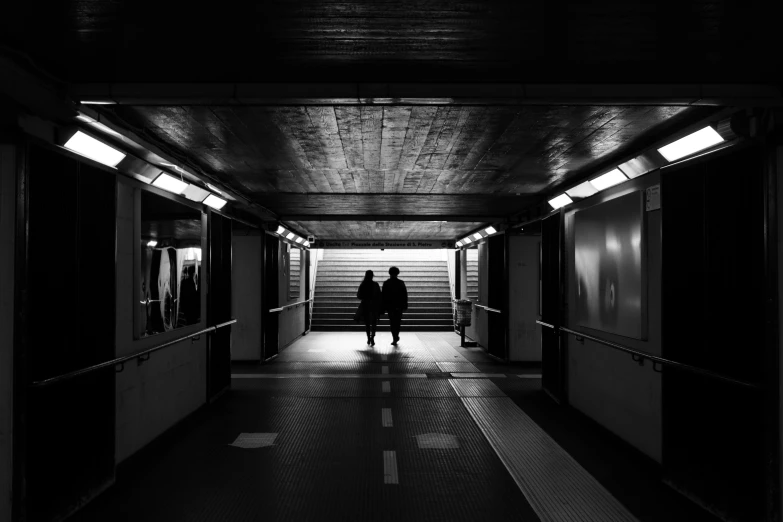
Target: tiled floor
347,432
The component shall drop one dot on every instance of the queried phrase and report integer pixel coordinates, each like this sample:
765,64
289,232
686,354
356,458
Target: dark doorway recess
552,348
307,293
219,304
713,311
271,297
497,287
69,430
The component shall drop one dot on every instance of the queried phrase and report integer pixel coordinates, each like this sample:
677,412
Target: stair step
343,300
322,308
405,320
360,328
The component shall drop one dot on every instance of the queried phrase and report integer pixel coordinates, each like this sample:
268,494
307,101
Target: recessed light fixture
195,193
458,243
152,243
299,239
699,140
477,236
213,187
280,230
467,240
170,183
88,146
290,235
584,190
215,202
610,179
560,201
490,230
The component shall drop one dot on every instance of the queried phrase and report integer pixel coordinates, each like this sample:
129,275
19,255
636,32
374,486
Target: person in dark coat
395,301
370,294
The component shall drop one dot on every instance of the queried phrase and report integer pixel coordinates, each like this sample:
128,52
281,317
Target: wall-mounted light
690,144
88,146
170,183
490,230
215,202
610,179
560,201
584,190
152,243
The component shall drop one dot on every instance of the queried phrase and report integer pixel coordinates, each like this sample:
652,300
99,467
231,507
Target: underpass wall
604,383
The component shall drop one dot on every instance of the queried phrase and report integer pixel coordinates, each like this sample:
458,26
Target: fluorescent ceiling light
152,243
458,243
215,202
477,235
585,190
195,193
97,102
170,183
560,201
84,118
699,140
94,149
299,239
610,179
290,235
213,187
306,244
490,230
467,240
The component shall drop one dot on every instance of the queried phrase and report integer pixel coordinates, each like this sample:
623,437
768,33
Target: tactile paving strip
557,487
448,367
476,388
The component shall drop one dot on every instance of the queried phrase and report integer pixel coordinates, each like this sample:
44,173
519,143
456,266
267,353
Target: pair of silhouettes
392,299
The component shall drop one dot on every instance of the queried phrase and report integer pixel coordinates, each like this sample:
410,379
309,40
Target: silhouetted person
370,294
189,296
395,301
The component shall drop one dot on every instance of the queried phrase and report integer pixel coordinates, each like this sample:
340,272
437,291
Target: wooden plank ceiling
375,161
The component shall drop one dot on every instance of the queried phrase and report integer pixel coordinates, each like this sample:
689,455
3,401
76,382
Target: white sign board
382,243
652,198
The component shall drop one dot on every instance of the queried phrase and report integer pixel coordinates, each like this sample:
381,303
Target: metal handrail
122,360
488,309
542,323
275,310
641,356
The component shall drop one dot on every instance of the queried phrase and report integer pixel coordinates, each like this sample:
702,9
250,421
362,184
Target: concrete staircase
426,277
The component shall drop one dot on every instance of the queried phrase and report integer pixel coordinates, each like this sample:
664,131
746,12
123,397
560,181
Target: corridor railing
488,309
120,361
640,357
275,310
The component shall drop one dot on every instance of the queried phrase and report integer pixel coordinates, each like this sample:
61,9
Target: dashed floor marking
390,475
386,387
386,418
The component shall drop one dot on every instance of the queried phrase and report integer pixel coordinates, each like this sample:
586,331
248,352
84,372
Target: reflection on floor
333,429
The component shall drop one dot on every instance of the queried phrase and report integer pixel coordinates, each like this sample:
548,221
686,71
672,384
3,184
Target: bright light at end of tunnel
490,230
610,179
215,202
94,149
152,243
170,183
699,140
560,201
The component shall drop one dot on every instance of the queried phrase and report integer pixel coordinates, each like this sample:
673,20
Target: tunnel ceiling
396,40
387,229
376,163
